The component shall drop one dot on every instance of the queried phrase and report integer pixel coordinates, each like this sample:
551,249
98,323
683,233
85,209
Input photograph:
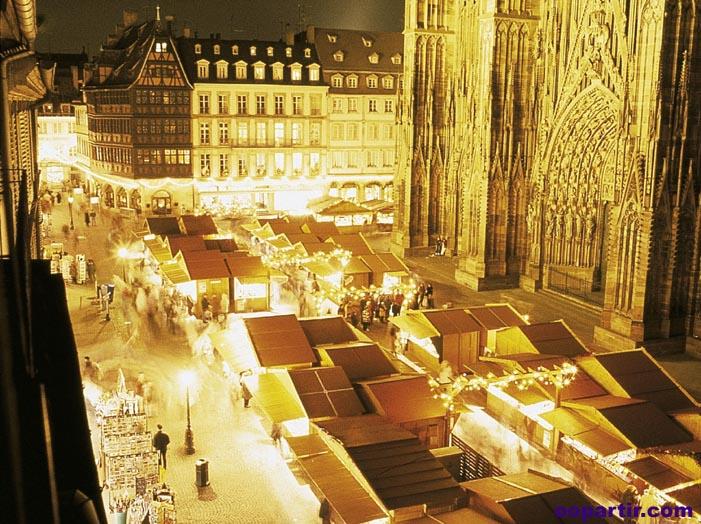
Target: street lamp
188,379
123,254
70,208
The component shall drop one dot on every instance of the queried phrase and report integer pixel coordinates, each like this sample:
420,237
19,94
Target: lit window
296,72
352,81
253,50
259,71
338,56
277,71
223,165
217,49
241,71
307,52
332,38
222,70
234,50
372,82
279,131
203,70
161,47
205,164
288,52
198,49
374,58
397,59
313,73
367,42
337,81
270,51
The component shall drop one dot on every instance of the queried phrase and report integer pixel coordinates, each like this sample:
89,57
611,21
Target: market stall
250,284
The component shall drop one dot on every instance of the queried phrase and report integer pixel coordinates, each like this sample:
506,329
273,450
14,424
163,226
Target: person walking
366,318
276,434
429,296
91,370
246,394
160,443
90,268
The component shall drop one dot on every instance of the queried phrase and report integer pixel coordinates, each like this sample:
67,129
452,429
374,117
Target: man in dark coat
160,442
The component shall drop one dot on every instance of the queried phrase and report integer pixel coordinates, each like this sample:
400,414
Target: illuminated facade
556,146
258,122
363,71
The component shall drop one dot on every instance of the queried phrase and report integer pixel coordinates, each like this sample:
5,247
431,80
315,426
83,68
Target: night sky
67,27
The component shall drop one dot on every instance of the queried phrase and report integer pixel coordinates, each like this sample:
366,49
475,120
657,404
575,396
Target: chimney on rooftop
289,37
169,24
311,33
186,31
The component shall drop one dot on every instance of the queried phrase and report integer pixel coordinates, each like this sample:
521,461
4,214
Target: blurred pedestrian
276,434
91,370
393,339
429,296
160,443
90,268
246,395
366,318
86,217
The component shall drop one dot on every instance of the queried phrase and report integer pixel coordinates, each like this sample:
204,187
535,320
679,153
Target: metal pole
189,437
70,211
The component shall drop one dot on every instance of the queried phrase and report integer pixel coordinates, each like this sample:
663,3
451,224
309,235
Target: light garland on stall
285,259
560,377
356,293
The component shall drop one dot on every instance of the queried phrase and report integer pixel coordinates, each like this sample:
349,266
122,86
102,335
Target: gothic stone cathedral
555,143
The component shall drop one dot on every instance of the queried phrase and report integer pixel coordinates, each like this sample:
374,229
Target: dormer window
222,69
396,59
338,56
367,42
253,50
270,51
387,82
288,52
372,82
217,49
278,69
296,72
161,47
374,58
241,68
198,49
259,71
332,38
352,81
307,52
314,72
337,81
234,50
202,69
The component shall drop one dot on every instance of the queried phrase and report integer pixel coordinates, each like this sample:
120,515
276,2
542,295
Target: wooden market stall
492,318
250,284
549,338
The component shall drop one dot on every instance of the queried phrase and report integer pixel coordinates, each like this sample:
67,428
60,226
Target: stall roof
317,247
415,325
550,338
285,228
323,202
404,398
279,242
525,498
203,265
304,238
198,225
247,267
158,248
642,423
327,330
495,316
322,230
377,205
393,263
356,266
279,340
459,516
276,395
450,321
240,357
184,243
345,494
323,268
225,245
398,467
345,207
326,392
578,427
355,243
360,360
636,374
175,270
163,225
688,496
657,473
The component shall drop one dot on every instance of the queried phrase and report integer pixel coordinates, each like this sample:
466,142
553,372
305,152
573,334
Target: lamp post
70,208
188,379
123,254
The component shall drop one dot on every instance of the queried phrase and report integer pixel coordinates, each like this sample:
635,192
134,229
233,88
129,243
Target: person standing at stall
160,443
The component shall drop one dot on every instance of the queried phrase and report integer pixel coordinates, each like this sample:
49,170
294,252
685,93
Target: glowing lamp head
70,199
187,378
123,252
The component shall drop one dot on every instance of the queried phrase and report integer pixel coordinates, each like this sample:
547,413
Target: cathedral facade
556,145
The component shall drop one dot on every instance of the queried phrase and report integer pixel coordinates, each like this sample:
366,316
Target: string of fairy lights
559,376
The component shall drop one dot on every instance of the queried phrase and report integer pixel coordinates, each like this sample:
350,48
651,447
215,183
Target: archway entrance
161,203
583,168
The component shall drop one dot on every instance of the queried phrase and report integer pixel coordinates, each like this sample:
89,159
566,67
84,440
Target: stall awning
247,267
279,242
414,327
276,395
204,265
321,268
158,248
393,263
576,426
199,225
240,357
356,266
175,271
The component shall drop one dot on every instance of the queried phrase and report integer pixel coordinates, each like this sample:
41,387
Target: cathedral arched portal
580,179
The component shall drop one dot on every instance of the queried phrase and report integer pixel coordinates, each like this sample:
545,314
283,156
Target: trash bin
202,473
